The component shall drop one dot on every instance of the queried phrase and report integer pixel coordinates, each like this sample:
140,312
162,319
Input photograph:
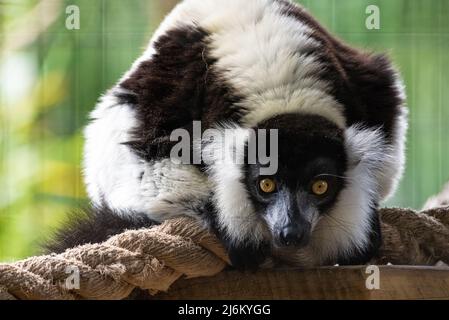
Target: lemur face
310,176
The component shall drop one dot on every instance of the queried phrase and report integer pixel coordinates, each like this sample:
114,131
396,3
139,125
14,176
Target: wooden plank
396,282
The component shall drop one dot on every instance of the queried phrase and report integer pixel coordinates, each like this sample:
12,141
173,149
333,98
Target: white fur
266,56
373,176
346,226
115,176
236,214
394,170
110,169
308,101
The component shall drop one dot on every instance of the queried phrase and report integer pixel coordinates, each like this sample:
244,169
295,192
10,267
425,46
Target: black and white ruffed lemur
249,64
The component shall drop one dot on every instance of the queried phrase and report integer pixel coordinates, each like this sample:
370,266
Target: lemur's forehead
305,144
318,156
301,136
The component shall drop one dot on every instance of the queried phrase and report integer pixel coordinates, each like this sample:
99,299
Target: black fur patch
246,256
175,87
363,83
94,225
303,137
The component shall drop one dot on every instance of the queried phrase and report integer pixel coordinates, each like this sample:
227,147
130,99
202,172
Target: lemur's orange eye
267,185
320,187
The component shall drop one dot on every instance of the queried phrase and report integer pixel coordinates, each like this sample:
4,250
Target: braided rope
154,258
147,258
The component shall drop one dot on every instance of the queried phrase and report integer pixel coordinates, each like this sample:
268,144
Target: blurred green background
50,78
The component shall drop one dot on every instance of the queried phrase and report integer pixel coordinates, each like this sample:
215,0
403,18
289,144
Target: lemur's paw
248,257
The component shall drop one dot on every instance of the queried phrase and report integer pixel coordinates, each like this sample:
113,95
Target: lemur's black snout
295,235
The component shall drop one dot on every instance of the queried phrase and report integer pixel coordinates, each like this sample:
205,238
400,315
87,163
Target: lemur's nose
292,235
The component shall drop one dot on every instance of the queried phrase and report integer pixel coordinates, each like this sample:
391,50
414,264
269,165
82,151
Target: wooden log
396,282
